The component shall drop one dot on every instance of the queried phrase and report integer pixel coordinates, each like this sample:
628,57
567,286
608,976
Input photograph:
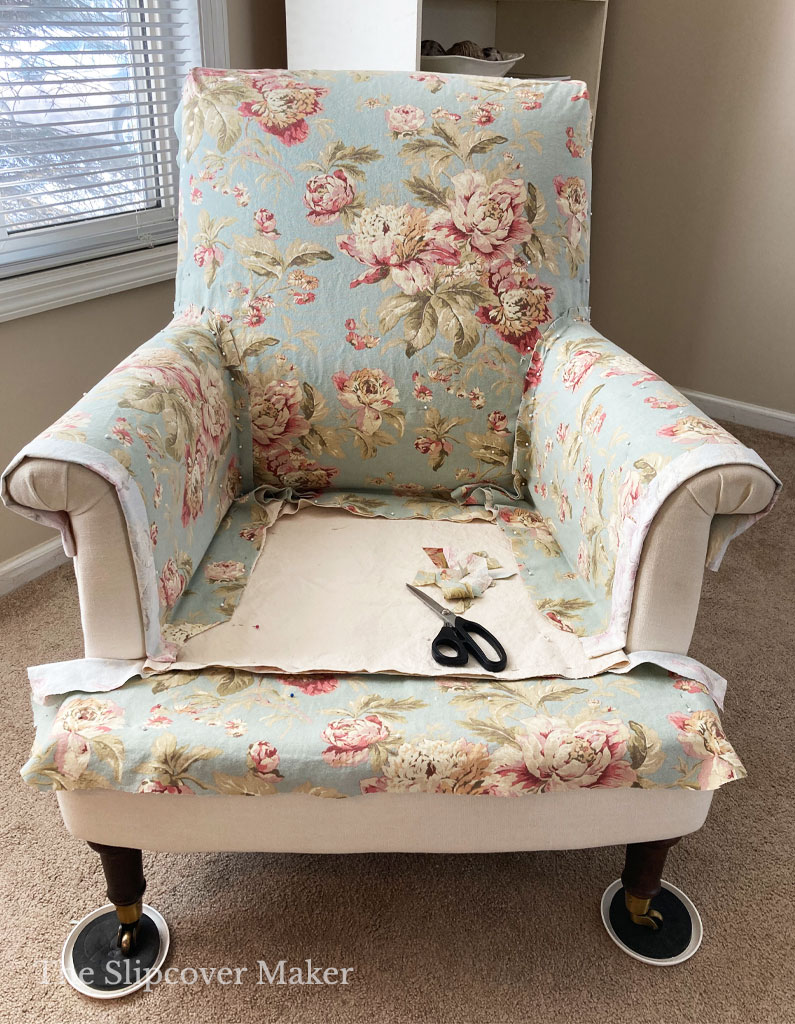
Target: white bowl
455,64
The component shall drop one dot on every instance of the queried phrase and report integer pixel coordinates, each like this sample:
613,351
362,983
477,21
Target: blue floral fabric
386,249
602,441
226,731
454,211
161,427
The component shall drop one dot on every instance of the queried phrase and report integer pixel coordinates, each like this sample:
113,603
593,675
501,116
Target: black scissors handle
458,637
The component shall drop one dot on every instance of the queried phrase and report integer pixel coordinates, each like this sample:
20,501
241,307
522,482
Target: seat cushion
318,584
328,593
225,731
386,249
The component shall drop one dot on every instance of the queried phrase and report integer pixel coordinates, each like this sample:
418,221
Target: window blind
88,90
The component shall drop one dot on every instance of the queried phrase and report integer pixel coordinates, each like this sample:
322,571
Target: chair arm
110,608
668,583
161,433
605,449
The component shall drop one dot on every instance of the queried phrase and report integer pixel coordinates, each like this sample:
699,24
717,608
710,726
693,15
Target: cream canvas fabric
394,822
328,594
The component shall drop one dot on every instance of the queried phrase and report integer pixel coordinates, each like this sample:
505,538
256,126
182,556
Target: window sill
78,282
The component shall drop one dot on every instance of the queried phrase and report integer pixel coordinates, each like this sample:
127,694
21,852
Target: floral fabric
396,190
222,731
461,576
601,443
217,585
161,428
385,249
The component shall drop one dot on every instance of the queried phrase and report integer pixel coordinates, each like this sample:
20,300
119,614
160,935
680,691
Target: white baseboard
729,409
30,564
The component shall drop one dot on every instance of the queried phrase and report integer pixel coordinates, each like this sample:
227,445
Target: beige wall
693,223
257,34
694,204
51,358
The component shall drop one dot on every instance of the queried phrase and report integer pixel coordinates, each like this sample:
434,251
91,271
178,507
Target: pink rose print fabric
397,241
221,731
283,106
326,195
429,228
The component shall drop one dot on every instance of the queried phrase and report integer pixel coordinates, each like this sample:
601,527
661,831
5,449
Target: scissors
456,634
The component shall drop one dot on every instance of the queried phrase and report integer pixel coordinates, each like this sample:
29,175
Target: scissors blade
443,613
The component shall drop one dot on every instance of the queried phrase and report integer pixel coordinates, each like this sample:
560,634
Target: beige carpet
508,938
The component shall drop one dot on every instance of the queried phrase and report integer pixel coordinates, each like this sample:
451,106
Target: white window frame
41,290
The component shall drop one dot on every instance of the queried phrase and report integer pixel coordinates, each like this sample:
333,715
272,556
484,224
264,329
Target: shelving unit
558,37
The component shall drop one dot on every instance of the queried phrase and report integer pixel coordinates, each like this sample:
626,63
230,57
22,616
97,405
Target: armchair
382,344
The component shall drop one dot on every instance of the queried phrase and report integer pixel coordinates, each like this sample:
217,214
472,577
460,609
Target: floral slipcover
384,303
223,731
382,306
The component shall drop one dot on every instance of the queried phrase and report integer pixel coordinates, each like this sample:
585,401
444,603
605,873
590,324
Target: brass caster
661,937
647,920
126,938
129,917
641,912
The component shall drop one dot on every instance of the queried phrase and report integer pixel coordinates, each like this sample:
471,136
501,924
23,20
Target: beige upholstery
396,822
668,583
109,606
667,587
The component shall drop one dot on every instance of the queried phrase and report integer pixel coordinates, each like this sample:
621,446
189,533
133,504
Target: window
88,90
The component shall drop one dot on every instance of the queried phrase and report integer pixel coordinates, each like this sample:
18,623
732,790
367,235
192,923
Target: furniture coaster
674,941
93,964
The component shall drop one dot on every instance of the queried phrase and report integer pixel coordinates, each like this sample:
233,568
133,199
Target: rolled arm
639,487
670,573
137,476
110,606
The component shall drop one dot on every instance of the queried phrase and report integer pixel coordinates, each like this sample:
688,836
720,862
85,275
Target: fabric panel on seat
228,731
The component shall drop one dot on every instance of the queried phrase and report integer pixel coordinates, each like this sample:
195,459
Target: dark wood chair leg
124,874
641,876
